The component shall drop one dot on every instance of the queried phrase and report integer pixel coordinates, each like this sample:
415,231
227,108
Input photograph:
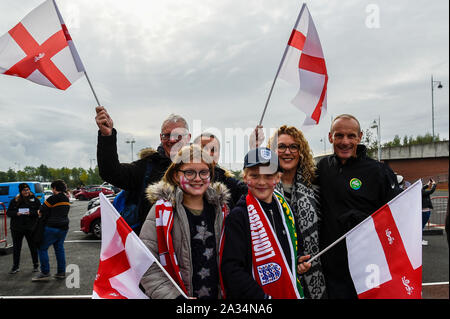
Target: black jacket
236,265
426,192
23,222
349,194
236,187
55,211
130,176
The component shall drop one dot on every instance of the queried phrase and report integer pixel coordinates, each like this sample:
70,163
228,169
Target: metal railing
437,217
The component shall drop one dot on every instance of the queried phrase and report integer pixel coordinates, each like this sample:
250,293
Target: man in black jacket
135,176
352,186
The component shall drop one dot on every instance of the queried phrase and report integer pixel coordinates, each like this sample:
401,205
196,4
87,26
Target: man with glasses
150,168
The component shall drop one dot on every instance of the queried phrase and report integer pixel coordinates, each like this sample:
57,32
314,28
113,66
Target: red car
90,193
91,223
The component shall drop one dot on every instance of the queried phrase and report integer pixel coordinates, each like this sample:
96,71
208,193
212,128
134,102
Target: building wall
422,168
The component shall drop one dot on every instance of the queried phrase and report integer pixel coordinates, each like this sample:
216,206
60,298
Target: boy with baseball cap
261,243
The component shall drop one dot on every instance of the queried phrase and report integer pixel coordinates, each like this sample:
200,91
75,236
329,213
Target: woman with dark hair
23,211
55,211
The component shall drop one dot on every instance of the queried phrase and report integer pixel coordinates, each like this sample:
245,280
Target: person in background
55,211
427,205
210,143
23,211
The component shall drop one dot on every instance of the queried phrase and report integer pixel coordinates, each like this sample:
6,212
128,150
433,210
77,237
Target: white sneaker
424,242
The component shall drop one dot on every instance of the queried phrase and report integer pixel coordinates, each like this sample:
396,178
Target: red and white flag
123,258
304,65
39,48
385,251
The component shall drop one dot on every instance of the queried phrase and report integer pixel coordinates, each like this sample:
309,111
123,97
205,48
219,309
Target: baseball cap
262,156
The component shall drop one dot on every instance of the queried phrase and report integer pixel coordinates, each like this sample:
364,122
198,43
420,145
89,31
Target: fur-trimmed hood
215,193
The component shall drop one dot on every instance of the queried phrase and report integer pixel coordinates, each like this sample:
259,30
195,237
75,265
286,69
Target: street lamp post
439,86
324,145
378,127
131,141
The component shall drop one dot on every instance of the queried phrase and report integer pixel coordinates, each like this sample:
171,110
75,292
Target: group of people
42,225
219,237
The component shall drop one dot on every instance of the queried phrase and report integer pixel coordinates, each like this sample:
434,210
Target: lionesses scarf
164,224
270,268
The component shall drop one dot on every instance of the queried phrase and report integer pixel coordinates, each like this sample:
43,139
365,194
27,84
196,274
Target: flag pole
166,273
279,68
92,88
348,233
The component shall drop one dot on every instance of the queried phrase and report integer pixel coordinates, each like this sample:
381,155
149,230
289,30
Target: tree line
73,177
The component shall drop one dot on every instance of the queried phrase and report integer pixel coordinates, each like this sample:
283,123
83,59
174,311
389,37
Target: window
38,188
4,190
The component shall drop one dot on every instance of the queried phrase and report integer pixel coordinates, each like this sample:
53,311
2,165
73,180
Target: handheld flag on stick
123,258
303,64
39,48
385,250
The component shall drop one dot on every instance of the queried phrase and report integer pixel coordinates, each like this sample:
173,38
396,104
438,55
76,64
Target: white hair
174,118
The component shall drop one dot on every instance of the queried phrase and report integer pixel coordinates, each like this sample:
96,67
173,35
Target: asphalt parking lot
83,252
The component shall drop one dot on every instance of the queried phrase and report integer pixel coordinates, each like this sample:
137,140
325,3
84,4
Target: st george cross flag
123,258
39,48
304,66
385,250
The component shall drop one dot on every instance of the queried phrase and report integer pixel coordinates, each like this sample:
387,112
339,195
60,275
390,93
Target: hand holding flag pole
384,251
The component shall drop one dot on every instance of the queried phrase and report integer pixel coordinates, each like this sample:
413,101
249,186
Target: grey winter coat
156,284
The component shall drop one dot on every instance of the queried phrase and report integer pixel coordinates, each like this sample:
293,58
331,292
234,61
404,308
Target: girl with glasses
184,227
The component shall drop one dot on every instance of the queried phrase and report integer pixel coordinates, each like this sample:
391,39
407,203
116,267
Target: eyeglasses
169,136
293,148
191,174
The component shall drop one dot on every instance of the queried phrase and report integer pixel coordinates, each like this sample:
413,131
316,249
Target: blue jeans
425,218
55,237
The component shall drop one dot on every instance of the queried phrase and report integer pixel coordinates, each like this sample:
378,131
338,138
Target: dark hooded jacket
135,176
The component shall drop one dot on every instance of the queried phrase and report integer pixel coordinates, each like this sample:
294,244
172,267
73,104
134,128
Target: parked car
90,193
9,190
96,201
91,223
47,194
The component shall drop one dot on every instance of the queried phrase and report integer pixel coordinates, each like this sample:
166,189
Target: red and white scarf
164,224
270,268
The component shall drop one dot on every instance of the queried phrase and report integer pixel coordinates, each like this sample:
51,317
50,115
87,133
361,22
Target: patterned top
205,275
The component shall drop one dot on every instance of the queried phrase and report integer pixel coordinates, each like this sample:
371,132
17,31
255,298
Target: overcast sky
213,62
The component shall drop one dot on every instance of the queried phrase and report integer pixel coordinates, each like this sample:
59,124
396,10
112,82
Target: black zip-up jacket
350,193
236,187
55,211
236,266
23,222
426,193
130,176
